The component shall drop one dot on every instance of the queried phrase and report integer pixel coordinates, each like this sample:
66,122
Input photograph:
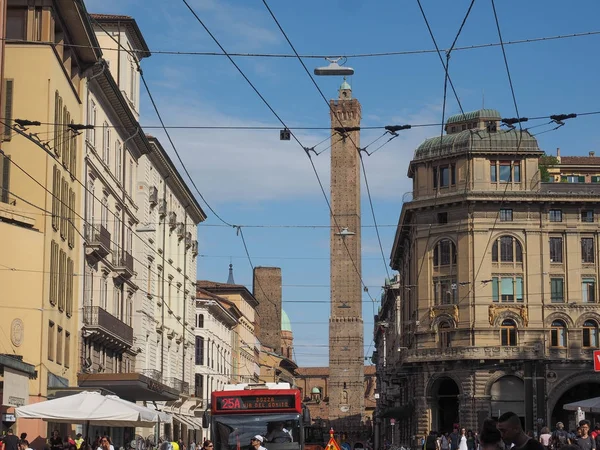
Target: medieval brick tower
346,352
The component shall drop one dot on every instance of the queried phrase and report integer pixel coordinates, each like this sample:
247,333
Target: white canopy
591,405
93,408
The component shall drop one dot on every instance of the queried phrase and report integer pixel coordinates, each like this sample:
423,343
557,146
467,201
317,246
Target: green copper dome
491,114
286,325
345,85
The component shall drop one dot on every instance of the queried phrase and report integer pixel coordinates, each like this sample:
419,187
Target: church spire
230,277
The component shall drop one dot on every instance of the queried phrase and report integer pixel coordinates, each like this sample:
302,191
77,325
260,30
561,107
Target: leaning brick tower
346,351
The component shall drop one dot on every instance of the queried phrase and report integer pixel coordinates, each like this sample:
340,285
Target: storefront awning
190,422
190,406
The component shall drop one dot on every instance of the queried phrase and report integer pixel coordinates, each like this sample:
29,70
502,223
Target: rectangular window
442,218
508,336
453,174
588,290
595,179
556,250
56,198
445,291
506,215
119,161
67,360
106,142
590,337
435,178
70,281
131,178
198,385
199,350
51,340
587,250
71,224
91,133
59,346
557,291
495,289
505,175
557,337
555,215
493,172
53,294
517,172
444,176
587,216
7,108
16,23
507,289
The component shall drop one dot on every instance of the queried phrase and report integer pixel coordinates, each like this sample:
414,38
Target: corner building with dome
495,305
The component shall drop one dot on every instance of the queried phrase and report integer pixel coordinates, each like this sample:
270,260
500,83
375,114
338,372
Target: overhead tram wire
358,149
447,80
154,105
162,124
521,131
267,104
273,127
315,56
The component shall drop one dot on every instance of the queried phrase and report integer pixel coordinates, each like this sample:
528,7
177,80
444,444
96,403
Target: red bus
272,410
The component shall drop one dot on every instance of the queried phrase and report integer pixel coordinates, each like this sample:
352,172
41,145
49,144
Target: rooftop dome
480,114
286,325
345,85
478,140
315,390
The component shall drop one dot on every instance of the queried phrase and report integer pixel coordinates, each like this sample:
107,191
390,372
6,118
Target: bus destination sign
254,402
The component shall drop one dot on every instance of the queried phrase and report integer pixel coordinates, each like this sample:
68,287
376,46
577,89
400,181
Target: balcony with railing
176,384
123,264
154,374
101,326
97,240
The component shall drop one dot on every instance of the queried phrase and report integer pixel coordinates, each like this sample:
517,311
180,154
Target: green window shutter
582,179
495,289
563,179
519,288
8,109
4,178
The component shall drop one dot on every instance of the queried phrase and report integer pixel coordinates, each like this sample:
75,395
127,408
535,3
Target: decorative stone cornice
520,310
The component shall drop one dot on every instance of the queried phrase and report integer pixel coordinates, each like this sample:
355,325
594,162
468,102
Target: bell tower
346,351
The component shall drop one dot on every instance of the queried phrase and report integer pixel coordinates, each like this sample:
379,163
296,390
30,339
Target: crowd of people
507,434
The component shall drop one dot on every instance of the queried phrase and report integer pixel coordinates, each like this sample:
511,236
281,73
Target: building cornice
167,170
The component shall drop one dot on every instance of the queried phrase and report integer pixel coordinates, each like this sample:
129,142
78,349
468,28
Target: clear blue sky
252,178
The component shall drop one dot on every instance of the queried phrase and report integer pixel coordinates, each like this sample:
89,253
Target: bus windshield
280,431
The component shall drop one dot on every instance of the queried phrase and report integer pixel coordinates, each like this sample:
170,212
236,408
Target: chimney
592,154
558,152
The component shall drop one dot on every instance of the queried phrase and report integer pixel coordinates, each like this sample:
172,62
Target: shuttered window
8,109
4,178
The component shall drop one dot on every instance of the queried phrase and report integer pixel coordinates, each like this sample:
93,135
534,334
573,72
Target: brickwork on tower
267,290
346,352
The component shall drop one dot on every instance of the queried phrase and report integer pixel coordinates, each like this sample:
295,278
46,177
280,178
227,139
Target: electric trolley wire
267,104
314,56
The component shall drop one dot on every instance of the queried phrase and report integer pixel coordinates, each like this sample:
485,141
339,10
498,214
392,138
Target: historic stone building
494,307
346,363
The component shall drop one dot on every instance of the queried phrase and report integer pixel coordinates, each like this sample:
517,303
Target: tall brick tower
346,352
267,290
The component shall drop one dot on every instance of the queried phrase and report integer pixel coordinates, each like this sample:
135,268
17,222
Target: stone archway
575,387
445,404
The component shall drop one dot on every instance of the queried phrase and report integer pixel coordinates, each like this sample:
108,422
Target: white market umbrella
92,408
591,405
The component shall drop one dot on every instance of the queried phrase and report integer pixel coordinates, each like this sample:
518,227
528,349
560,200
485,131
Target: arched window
507,249
558,334
444,253
344,399
508,333
444,333
590,334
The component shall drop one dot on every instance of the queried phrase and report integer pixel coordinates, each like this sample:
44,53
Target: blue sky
252,178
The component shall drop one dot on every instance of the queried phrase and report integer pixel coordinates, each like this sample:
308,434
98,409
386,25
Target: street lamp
334,68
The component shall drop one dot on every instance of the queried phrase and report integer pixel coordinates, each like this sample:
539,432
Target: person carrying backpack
445,442
560,437
431,443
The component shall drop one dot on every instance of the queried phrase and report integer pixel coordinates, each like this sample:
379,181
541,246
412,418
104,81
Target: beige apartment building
40,209
495,304
245,351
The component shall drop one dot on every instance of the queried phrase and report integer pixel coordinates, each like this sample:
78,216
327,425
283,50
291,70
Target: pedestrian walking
462,443
512,432
560,437
10,441
454,439
545,437
585,441
490,438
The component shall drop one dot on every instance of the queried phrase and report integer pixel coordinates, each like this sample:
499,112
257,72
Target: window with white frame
588,290
558,334
106,144
590,334
119,160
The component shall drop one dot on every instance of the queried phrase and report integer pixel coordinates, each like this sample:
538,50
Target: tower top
230,277
345,92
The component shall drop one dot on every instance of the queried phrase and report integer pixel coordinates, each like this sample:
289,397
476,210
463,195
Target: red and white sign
392,422
597,360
